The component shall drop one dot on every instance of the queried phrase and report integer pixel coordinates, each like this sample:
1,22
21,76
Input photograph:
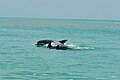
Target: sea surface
98,56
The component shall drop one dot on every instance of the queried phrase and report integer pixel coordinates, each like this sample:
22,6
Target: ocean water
98,56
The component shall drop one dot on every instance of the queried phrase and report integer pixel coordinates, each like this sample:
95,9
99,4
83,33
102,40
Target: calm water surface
97,59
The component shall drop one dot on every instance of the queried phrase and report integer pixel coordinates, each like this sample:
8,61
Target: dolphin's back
44,41
48,41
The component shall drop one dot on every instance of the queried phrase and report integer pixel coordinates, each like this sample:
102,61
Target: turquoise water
97,59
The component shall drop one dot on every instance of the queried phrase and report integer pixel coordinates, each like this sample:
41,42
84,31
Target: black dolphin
44,42
62,47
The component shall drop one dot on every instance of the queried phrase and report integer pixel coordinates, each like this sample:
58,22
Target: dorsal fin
62,41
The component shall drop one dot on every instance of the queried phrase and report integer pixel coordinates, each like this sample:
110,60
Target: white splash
77,47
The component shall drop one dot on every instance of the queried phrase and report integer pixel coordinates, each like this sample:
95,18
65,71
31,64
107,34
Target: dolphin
44,42
58,46
62,47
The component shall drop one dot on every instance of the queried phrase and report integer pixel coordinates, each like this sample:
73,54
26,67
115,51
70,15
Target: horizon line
92,19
